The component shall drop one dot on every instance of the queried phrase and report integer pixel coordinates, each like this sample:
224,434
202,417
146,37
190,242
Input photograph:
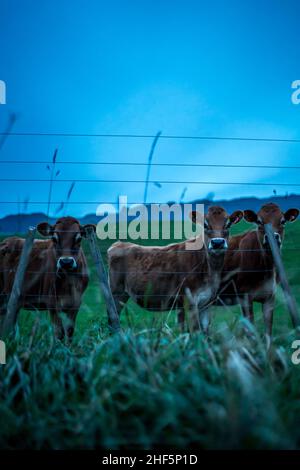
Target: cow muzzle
67,263
277,237
216,244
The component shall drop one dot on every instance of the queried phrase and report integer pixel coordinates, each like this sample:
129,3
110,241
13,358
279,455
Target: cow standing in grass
56,276
166,277
249,273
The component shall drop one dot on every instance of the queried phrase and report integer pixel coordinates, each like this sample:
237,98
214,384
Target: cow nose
217,244
66,262
277,238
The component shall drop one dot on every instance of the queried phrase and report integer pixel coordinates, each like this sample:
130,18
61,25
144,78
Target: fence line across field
113,318
160,248
9,133
211,183
95,249
133,271
145,164
96,203
146,296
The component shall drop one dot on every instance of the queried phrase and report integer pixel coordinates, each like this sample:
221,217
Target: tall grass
52,177
152,387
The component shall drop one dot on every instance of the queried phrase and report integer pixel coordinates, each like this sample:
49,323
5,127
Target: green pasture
152,385
93,310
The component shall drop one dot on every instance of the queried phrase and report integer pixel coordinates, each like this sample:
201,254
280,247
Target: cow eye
205,224
78,238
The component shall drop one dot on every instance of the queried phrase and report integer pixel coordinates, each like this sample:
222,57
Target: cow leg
70,326
268,308
2,313
57,324
3,310
181,320
120,299
193,319
117,287
205,320
3,304
247,307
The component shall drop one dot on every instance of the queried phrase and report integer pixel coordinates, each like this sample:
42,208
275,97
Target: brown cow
56,275
162,277
249,273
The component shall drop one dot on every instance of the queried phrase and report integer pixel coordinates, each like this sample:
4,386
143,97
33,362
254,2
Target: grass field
152,385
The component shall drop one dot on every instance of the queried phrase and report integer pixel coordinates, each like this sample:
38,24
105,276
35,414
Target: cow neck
199,262
201,259
214,270
265,255
50,265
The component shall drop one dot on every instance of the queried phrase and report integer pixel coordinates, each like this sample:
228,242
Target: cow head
66,235
271,214
216,228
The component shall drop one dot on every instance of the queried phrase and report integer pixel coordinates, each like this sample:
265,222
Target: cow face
216,228
271,214
66,235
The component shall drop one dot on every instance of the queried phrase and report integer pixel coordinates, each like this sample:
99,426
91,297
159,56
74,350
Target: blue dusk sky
221,68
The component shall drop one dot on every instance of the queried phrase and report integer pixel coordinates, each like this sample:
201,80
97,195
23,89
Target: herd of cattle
227,270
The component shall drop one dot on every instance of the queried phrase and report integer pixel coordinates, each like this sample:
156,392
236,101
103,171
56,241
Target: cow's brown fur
158,278
249,273
46,287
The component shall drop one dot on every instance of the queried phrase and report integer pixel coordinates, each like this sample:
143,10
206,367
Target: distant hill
19,223
254,203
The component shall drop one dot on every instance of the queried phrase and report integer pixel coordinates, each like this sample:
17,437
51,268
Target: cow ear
196,217
45,229
84,231
291,215
251,216
235,218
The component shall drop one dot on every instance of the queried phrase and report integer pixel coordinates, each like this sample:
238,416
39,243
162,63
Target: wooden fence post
113,317
291,303
12,305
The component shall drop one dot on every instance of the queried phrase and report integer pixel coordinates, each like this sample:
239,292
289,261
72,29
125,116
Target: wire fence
149,136
159,271
210,183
